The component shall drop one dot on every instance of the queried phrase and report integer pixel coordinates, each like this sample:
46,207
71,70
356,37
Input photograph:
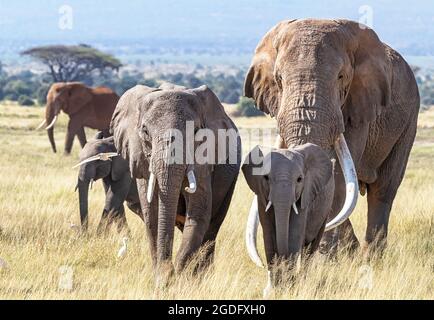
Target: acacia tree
73,63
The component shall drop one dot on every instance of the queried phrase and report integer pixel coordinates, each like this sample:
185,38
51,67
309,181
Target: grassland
38,203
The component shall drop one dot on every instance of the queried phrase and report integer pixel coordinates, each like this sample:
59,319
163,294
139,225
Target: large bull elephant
143,125
335,84
86,107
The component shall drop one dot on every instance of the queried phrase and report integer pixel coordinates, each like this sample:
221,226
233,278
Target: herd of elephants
346,107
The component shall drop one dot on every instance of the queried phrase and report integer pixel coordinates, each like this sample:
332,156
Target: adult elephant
86,107
146,124
335,84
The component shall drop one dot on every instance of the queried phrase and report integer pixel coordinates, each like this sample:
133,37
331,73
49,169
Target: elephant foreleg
103,223
196,224
114,209
150,216
74,128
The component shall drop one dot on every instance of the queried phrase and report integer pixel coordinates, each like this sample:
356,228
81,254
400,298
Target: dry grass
37,203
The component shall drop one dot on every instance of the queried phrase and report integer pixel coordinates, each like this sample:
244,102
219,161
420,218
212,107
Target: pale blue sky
398,22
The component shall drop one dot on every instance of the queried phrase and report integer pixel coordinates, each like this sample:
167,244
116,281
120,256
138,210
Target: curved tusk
101,156
41,125
351,182
191,182
107,156
151,187
52,123
294,206
93,158
268,206
251,231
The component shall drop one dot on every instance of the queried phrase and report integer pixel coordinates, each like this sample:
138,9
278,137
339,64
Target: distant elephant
292,188
142,120
99,160
86,107
333,82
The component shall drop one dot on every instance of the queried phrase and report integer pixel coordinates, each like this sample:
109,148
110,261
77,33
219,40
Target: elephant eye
266,178
341,76
145,131
299,179
278,78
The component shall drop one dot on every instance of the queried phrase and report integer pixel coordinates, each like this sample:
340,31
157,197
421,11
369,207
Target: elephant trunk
83,191
282,211
170,178
50,133
50,119
308,118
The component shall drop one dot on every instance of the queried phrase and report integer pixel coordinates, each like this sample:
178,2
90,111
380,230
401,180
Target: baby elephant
99,160
289,185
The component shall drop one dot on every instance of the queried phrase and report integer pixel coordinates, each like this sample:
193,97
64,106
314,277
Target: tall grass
38,203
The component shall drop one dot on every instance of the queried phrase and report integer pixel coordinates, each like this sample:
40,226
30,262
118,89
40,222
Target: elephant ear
119,166
213,116
255,169
370,89
260,83
318,170
78,96
124,129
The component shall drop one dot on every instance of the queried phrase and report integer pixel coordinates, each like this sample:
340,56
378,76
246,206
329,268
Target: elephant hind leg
382,192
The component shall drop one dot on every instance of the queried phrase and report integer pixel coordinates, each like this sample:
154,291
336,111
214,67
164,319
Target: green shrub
246,108
25,101
17,88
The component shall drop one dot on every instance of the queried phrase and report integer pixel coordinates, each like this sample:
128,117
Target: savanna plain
38,204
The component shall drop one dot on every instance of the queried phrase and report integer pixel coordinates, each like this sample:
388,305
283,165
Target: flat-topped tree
73,63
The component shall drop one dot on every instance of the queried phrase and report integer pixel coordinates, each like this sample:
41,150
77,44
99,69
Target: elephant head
69,97
286,183
98,159
316,77
142,125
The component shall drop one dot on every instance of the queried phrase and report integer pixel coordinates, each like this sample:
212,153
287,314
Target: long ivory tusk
268,206
41,125
352,187
294,206
251,231
101,156
151,187
52,123
191,182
